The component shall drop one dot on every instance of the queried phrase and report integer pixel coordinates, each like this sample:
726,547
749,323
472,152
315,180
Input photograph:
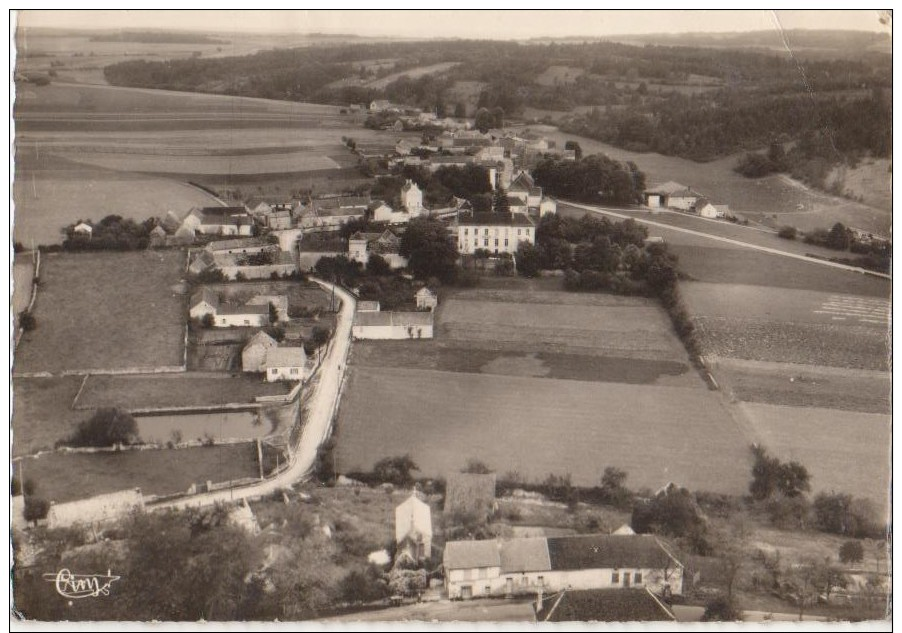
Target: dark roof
469,492
245,309
224,211
608,551
343,202
524,181
205,294
471,554
604,605
495,219
524,554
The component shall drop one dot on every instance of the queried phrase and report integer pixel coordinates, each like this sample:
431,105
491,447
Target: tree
208,320
721,610
840,513
460,110
675,514
377,266
107,427
851,552
481,203
484,120
36,508
27,321
273,314
839,238
429,250
476,467
395,470
500,203
407,582
529,259
362,586
787,232
613,488
320,335
575,146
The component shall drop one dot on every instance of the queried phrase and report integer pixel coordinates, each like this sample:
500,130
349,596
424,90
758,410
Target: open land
160,391
844,451
537,426
106,311
173,470
43,413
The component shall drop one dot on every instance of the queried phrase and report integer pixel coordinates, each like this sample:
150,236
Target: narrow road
320,410
728,240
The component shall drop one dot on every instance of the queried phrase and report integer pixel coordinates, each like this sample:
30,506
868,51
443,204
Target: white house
413,529
705,209
412,198
285,363
381,212
242,316
495,232
83,228
253,355
203,302
426,299
530,565
672,194
385,244
220,221
392,325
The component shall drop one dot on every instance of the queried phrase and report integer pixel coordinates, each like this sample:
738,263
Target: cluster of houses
673,195
261,353
370,322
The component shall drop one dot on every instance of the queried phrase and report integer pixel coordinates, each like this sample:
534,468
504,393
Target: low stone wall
258,272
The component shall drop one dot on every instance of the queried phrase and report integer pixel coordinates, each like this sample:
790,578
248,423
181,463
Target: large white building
412,198
413,529
494,232
530,565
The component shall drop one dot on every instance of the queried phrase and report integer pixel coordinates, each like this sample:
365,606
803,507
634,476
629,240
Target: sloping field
843,450
541,426
412,73
106,311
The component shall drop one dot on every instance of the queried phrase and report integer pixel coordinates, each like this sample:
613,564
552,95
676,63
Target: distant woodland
699,103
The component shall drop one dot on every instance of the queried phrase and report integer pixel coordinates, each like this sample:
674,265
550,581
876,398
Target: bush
851,552
107,427
208,320
721,610
27,321
839,513
787,232
36,508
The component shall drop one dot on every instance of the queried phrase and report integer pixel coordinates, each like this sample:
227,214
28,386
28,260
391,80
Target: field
871,180
23,283
156,472
42,412
192,389
538,426
754,197
106,311
844,451
559,75
412,73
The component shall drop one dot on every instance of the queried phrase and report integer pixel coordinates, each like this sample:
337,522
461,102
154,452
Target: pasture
98,311
538,426
844,451
155,471
42,412
412,73
160,391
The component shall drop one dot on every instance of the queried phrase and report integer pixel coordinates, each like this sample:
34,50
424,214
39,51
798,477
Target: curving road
321,407
719,238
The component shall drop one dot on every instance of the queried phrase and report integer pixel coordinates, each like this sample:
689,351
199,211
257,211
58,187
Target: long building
494,232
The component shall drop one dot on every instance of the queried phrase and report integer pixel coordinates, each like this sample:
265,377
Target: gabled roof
424,292
285,357
604,605
341,202
408,186
667,188
608,551
701,203
471,554
261,339
245,309
247,242
522,182
204,295
524,555
495,219
516,201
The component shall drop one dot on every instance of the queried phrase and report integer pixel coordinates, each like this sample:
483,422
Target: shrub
721,610
208,320
851,552
107,427
36,508
787,232
27,321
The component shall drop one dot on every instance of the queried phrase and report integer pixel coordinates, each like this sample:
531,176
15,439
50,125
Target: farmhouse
381,212
530,565
242,245
203,302
412,198
471,495
603,605
285,363
99,509
380,105
413,530
253,355
280,302
386,244
242,316
672,194
220,221
392,325
328,214
83,228
426,299
495,232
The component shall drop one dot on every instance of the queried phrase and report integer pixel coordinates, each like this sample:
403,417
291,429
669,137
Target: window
519,231
496,243
488,589
466,231
505,241
524,581
540,581
615,578
485,232
485,242
637,577
482,573
246,322
476,241
294,371
273,371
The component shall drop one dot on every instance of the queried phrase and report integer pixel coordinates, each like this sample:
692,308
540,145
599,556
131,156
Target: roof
450,160
608,551
604,605
246,309
469,492
408,186
367,306
667,188
248,242
424,292
471,554
495,219
261,339
412,515
341,202
158,230
525,554
204,295
515,200
285,357
701,203
402,319
523,181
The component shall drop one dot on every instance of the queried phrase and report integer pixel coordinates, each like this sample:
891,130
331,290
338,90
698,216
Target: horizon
492,24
